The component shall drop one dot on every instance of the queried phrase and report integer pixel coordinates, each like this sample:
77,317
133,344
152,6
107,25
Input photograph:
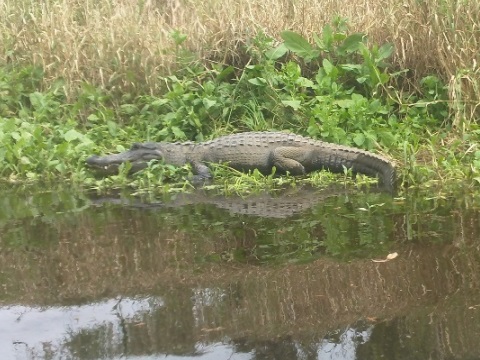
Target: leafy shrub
340,89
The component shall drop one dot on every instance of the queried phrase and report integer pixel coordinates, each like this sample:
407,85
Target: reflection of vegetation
346,225
93,341
113,250
447,334
23,213
167,329
341,342
188,321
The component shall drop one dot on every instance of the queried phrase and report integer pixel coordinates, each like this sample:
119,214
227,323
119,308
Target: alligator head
138,156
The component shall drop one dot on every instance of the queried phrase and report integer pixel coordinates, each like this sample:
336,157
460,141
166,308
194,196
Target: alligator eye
135,146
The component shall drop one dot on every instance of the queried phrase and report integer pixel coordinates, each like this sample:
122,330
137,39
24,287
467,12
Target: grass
125,45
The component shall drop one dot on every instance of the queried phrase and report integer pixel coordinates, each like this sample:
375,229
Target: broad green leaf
129,109
160,102
352,43
209,87
8,125
385,51
339,37
93,117
328,66
71,135
60,168
384,78
61,149
296,43
258,81
37,99
359,139
197,122
362,79
208,103
178,132
276,53
112,127
344,104
301,81
357,97
327,37
294,104
225,73
319,42
387,138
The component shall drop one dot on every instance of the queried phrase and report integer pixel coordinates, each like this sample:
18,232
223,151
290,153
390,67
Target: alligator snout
138,156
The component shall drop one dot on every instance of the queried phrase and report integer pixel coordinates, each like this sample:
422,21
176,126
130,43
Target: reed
127,44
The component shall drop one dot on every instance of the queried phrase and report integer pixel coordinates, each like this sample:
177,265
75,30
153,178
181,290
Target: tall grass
126,44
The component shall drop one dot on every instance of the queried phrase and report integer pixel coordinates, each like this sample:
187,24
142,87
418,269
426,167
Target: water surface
289,275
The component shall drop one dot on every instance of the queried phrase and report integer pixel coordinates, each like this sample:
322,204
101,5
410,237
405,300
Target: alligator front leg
201,172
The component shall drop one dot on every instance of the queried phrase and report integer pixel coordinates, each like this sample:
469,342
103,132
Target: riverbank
346,82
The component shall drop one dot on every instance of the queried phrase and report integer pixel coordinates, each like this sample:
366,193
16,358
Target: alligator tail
377,166
360,162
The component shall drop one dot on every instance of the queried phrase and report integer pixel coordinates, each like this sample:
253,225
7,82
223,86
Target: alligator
288,153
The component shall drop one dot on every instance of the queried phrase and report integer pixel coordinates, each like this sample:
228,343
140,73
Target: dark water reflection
283,276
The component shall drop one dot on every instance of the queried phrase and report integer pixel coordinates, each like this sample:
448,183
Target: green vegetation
337,86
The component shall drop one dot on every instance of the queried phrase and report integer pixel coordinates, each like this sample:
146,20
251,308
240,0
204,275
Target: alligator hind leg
289,159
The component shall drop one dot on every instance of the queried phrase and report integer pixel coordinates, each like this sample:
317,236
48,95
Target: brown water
283,276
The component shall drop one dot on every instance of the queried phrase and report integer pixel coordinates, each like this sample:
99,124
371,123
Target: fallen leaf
392,256
212,329
388,258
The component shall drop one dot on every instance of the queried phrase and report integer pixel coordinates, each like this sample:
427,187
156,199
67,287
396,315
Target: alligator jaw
138,157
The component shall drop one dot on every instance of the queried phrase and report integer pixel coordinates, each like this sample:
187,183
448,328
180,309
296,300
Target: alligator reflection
87,280
283,204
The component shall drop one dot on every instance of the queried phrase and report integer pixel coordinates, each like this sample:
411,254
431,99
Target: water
300,274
